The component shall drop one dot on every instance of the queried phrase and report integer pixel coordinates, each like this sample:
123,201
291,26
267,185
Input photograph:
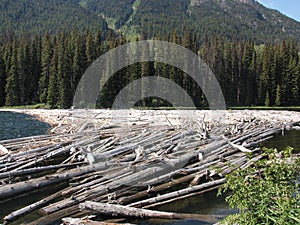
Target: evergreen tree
46,63
278,96
147,69
267,99
268,76
63,73
13,82
90,49
25,73
78,66
53,89
35,57
2,79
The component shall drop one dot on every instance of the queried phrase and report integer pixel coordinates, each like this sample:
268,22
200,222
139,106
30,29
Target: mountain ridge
232,19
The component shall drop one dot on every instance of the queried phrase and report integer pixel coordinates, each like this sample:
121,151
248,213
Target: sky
290,8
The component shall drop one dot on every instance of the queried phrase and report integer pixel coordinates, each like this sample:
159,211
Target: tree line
47,69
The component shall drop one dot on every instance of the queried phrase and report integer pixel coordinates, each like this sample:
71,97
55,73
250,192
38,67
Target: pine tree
35,57
278,96
25,73
63,73
90,49
2,79
53,88
147,69
13,84
248,74
78,65
47,53
98,44
267,99
268,76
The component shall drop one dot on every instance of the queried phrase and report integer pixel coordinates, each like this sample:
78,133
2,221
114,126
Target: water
14,125
17,125
207,204
289,139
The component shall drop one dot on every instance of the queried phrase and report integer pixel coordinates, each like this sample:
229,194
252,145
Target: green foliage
267,192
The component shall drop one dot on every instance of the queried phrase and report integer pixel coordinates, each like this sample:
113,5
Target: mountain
242,19
239,19
37,16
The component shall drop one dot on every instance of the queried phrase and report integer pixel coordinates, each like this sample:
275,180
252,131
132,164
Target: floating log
77,221
21,187
126,211
176,194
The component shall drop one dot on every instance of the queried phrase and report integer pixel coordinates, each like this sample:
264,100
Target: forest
46,69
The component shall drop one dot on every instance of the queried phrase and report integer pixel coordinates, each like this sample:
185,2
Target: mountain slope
243,19
240,19
37,16
118,11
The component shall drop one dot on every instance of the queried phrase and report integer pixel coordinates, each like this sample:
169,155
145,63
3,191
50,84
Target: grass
283,108
36,106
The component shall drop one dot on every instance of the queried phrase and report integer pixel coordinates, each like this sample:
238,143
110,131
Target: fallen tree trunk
178,193
21,187
39,169
77,221
125,211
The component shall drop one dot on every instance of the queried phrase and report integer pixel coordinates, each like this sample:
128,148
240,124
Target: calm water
17,125
13,125
290,138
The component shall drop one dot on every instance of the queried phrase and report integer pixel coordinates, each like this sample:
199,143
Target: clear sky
290,8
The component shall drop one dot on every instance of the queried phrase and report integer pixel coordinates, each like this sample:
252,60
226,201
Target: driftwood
126,211
177,193
77,221
130,162
21,187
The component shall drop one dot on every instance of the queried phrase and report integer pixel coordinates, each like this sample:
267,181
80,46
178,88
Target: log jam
130,159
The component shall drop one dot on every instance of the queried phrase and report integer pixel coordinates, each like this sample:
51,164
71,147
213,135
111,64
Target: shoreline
59,117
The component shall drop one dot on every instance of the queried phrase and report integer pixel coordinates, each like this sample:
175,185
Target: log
177,193
126,211
21,187
38,169
77,221
30,208
3,149
161,187
181,197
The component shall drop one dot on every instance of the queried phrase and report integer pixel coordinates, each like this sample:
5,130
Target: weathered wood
119,210
38,169
177,193
3,149
77,221
30,208
21,187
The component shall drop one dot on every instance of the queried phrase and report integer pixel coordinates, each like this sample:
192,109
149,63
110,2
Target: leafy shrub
267,192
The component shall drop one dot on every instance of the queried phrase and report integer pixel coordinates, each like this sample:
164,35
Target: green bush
267,192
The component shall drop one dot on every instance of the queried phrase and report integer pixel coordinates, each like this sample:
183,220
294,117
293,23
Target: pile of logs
125,169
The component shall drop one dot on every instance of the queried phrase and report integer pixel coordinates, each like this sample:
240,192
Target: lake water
13,125
17,125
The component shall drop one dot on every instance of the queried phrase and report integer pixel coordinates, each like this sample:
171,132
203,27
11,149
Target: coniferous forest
47,68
